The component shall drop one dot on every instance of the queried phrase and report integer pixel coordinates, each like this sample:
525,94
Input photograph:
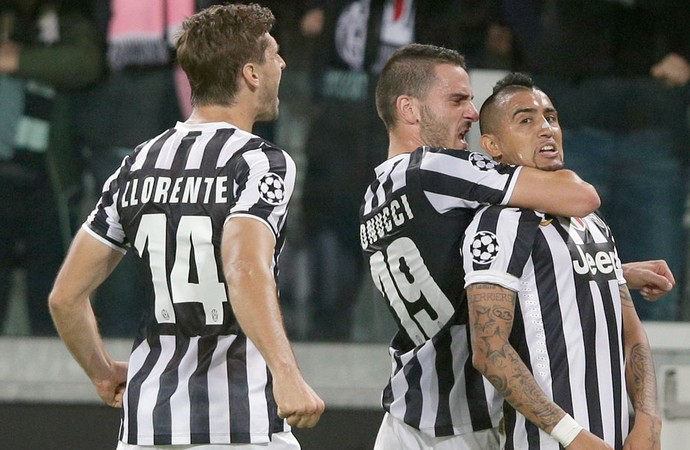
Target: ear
250,75
490,144
408,109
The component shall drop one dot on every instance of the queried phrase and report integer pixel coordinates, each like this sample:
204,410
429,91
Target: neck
403,140
236,114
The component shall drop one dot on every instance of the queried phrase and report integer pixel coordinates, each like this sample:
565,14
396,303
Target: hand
645,434
673,70
653,278
588,441
297,401
9,57
111,388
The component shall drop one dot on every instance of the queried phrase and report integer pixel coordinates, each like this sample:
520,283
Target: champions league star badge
484,247
272,189
482,162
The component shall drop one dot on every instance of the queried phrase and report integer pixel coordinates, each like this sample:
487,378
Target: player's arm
641,380
491,315
247,250
87,264
652,278
561,193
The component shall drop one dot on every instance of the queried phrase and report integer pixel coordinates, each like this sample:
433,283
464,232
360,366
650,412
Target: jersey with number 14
193,376
411,227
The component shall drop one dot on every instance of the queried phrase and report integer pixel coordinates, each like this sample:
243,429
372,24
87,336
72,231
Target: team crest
482,162
578,223
484,247
272,189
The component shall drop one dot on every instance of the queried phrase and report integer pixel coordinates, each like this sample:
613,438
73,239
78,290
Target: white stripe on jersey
392,170
217,376
196,152
257,377
180,412
399,385
572,327
428,382
136,362
448,165
167,153
459,406
149,392
235,142
444,203
141,155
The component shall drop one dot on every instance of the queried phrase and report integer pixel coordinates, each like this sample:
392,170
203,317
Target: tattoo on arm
492,311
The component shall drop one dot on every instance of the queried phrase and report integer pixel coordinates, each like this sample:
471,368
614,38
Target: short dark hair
510,83
216,43
410,71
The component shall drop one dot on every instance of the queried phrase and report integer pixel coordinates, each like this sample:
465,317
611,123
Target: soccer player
411,225
203,205
553,326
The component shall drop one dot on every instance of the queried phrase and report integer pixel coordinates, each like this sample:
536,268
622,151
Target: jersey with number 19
411,225
193,376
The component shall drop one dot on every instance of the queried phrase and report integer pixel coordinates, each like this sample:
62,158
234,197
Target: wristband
566,430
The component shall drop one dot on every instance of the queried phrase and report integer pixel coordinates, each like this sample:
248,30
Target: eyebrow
532,110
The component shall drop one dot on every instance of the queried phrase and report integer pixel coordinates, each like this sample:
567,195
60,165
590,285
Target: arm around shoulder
560,192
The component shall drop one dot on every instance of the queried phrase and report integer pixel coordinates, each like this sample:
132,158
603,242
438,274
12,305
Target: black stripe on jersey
134,387
553,324
387,186
238,401
616,357
212,151
476,396
277,424
373,187
585,307
182,152
413,394
528,226
387,398
519,342
162,414
198,391
154,151
440,183
446,380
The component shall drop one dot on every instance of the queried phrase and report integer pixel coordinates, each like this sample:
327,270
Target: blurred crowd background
82,82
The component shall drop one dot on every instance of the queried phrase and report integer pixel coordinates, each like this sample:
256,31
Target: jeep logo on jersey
600,262
482,162
272,189
484,247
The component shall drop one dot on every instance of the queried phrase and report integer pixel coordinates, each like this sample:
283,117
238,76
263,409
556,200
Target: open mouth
548,149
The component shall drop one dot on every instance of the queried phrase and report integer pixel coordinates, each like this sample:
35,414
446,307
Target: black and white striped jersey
411,226
194,377
568,318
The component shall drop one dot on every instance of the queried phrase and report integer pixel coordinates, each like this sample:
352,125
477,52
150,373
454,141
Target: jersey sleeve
497,245
263,185
104,221
454,179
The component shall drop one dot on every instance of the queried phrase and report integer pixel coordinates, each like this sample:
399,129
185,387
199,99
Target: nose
546,128
471,113
283,64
